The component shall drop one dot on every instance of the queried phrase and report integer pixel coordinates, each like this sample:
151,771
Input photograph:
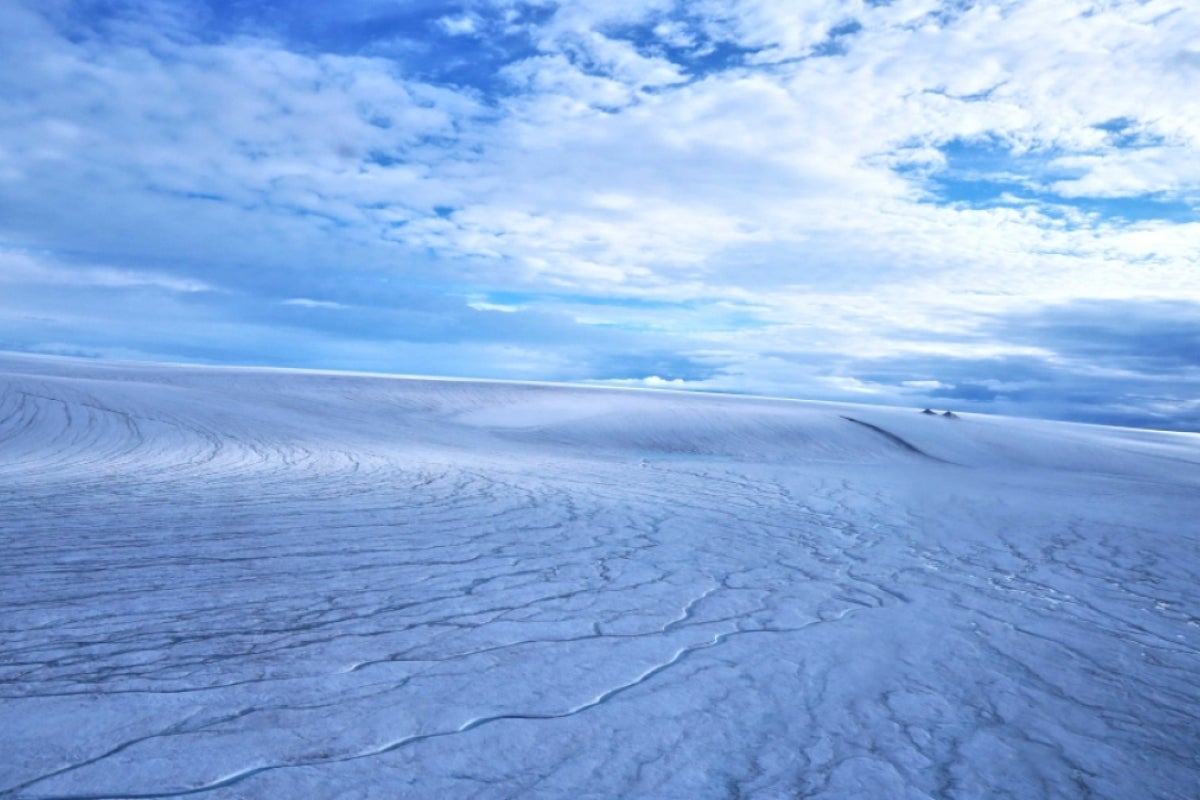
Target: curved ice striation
260,584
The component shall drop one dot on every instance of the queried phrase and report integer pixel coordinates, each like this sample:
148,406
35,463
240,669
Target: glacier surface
238,583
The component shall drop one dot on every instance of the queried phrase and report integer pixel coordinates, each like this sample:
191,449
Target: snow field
238,583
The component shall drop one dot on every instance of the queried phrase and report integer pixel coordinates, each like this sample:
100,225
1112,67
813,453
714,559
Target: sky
983,206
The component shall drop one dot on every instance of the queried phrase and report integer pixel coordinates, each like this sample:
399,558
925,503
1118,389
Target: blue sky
987,206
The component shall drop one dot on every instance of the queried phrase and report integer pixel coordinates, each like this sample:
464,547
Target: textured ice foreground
238,583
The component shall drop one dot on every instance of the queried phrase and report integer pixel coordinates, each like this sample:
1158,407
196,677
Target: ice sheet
241,583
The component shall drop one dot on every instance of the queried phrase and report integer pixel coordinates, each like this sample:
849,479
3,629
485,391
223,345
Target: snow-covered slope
263,584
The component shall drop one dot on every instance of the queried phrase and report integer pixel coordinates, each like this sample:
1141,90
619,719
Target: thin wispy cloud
755,196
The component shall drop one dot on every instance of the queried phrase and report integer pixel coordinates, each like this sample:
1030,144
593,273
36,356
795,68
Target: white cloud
776,30
850,385
304,302
463,25
1131,173
793,185
17,267
650,382
483,305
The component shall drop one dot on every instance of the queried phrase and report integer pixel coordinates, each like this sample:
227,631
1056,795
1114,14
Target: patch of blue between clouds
696,52
945,14
836,44
409,34
699,54
382,159
1124,132
983,174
